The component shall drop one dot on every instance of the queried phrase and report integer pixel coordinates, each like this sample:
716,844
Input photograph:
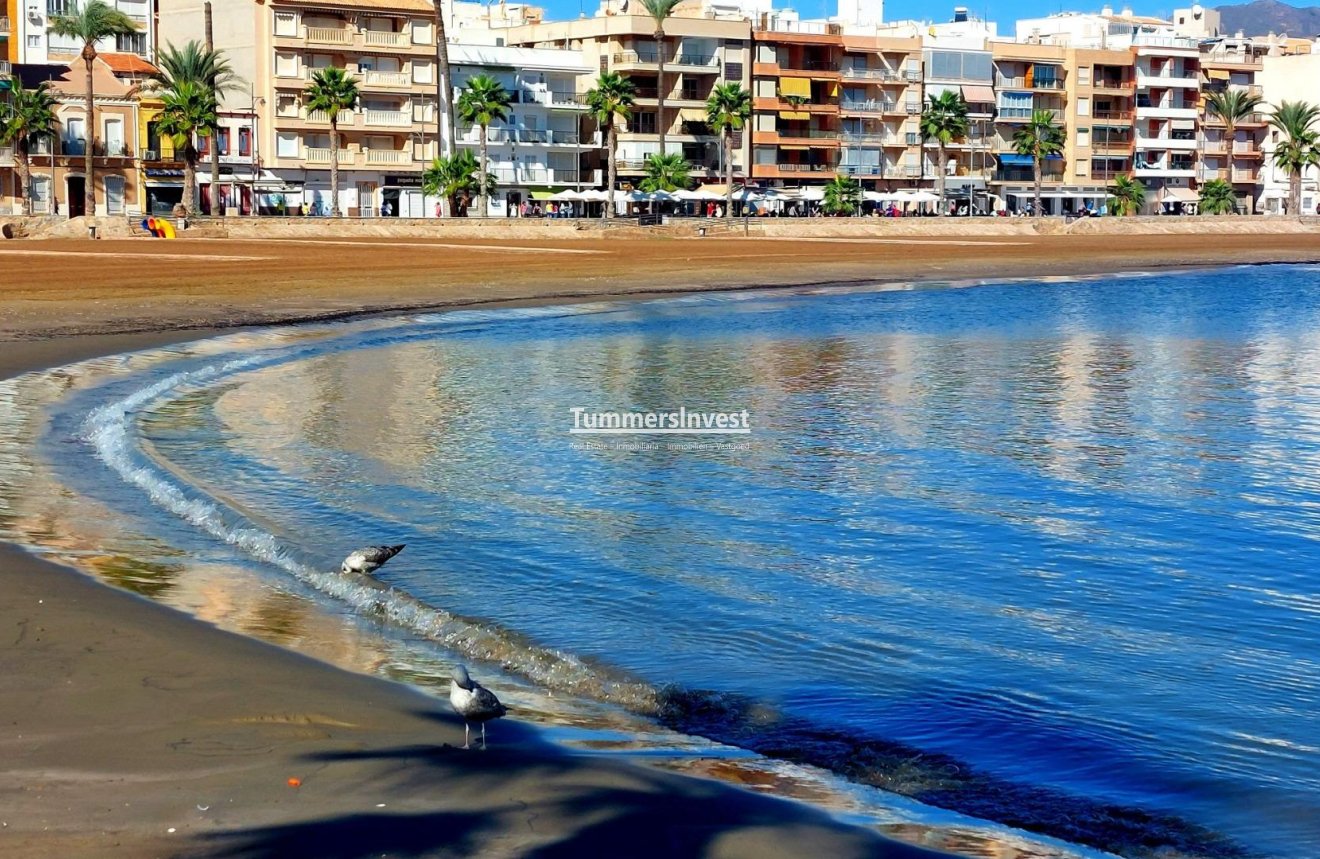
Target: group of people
552,209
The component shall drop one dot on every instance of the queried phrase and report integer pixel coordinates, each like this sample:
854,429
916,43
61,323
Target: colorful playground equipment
159,227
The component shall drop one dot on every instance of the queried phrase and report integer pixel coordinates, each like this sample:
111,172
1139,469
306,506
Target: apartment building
8,176
543,147
1229,63
1029,78
797,101
32,43
969,162
700,54
880,107
1287,78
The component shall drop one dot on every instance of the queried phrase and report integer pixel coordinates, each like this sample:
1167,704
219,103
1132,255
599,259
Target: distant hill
1262,17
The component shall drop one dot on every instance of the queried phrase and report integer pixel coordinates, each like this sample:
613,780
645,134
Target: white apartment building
33,44
542,146
1168,85
1287,78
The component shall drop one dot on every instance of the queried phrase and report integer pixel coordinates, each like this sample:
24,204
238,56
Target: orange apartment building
826,104
1233,64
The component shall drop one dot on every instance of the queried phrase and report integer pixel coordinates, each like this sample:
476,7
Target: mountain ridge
1262,17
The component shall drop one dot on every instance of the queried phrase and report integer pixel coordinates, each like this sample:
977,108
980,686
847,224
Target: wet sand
125,720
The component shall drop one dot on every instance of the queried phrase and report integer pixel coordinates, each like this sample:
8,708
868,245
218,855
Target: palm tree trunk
612,170
217,211
660,85
481,189
728,174
189,181
1295,194
1035,201
444,102
939,173
334,166
25,178
89,195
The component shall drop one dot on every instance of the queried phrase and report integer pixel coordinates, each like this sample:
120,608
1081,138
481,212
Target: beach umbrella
567,194
595,195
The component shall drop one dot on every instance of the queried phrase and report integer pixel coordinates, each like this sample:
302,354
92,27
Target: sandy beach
133,730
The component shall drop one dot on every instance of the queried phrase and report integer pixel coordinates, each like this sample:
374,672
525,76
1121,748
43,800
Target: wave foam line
106,429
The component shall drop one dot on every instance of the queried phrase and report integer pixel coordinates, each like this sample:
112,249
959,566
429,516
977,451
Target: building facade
700,54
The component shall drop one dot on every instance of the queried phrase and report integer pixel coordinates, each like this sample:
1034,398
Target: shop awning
1060,195
792,148
1011,160
794,114
977,93
1174,194
795,86
1218,75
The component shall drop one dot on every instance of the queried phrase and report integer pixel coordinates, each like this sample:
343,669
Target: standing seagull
475,703
370,559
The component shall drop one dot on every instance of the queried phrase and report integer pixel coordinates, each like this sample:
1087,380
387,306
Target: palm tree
483,101
1040,138
667,173
1232,106
1126,196
659,10
189,112
90,24
452,175
207,67
332,90
843,194
944,120
1217,198
727,110
32,114
1298,150
611,99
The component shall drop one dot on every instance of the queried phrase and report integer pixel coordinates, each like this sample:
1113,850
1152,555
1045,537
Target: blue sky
1005,12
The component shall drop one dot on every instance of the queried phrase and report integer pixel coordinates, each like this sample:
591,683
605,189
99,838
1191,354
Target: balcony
549,137
1225,58
6,70
388,157
1120,116
1163,81
112,149
873,105
1165,171
552,98
1214,147
1168,110
882,75
393,80
330,35
779,104
5,27
1255,119
680,61
1244,175
383,39
1113,85
1004,82
1111,147
1210,174
320,117
1246,148
1161,142
387,118
314,155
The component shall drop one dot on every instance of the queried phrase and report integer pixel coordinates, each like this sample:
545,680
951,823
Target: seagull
474,702
370,559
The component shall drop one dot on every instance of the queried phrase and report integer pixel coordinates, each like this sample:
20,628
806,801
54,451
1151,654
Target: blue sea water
1042,552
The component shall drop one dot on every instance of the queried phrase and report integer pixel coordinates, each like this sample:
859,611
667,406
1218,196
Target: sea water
1041,553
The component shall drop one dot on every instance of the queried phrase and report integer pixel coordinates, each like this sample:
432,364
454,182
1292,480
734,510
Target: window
423,73
1083,75
286,64
223,140
132,43
733,71
421,32
1083,137
34,43
286,105
286,144
245,141
203,145
1083,107
286,24
1081,167
643,123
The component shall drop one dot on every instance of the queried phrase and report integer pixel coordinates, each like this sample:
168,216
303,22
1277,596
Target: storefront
164,190
402,197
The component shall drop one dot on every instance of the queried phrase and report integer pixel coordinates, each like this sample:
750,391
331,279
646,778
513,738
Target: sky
1004,12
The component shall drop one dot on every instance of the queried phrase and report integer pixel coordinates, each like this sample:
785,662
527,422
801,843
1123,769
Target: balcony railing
1113,83
330,35
653,58
1234,58
1244,176
111,149
809,133
320,116
1114,115
4,25
873,105
551,98
6,70
316,155
388,79
472,136
806,168
73,147
1005,82
391,118
381,38
389,156
863,74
